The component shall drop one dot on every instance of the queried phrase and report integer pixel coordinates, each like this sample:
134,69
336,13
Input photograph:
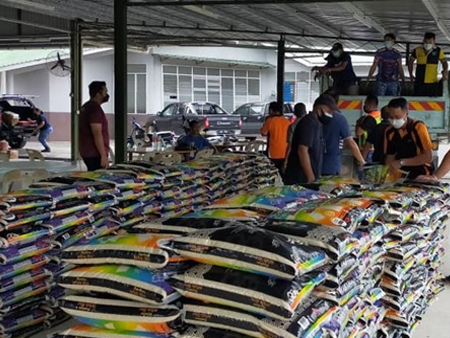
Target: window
137,89
228,88
257,109
170,110
303,87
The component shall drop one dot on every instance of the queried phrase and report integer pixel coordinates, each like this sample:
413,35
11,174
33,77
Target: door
256,118
243,112
164,121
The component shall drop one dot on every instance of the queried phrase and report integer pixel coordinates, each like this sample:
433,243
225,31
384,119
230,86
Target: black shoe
47,150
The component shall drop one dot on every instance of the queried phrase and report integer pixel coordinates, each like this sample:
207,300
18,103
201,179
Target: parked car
17,135
254,114
217,121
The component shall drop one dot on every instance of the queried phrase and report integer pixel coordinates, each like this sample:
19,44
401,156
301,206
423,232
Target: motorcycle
140,139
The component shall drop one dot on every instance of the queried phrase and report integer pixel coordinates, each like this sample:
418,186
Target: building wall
54,92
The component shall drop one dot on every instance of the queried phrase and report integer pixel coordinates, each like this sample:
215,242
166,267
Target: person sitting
193,140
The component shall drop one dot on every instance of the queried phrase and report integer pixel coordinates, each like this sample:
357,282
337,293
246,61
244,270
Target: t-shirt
308,133
333,133
345,77
42,118
92,113
368,123
427,64
376,138
393,147
199,142
291,130
276,128
388,61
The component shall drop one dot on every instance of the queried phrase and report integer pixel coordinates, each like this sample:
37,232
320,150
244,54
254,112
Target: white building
227,76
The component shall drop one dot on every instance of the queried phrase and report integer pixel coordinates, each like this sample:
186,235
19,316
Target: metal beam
33,24
429,4
76,56
227,2
120,79
363,17
280,71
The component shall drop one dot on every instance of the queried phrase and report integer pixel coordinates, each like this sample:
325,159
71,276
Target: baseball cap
337,46
326,100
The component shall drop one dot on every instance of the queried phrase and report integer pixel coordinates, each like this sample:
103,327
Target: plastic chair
35,155
22,179
149,157
255,146
167,158
204,153
4,157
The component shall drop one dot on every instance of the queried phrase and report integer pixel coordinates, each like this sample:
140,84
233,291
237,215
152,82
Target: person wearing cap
388,60
339,66
305,159
428,57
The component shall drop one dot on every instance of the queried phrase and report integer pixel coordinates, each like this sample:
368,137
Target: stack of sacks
120,284
338,186
348,230
23,277
250,281
410,278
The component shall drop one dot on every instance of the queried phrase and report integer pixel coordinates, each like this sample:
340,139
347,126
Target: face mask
106,98
325,118
337,53
428,46
388,44
397,123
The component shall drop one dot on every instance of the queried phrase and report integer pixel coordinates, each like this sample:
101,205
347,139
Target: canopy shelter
295,28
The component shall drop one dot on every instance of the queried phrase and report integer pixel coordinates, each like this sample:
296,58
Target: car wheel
17,142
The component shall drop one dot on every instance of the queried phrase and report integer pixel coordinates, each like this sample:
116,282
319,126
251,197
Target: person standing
375,139
388,60
305,159
276,129
367,123
299,113
94,133
339,66
407,142
44,128
428,57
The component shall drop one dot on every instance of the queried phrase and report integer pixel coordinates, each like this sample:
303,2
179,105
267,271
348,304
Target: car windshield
257,109
18,103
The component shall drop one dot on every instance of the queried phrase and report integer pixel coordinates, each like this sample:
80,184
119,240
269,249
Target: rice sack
254,293
123,281
336,241
23,235
140,250
209,332
122,315
10,270
85,331
248,248
16,254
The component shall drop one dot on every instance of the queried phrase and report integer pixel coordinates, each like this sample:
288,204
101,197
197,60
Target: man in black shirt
305,159
376,139
43,128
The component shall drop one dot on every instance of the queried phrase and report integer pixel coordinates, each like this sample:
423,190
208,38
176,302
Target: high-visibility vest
377,116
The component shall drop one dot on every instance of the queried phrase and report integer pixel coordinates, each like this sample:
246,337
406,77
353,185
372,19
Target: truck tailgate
224,122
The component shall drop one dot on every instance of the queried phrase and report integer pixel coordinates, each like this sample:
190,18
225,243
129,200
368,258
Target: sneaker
47,150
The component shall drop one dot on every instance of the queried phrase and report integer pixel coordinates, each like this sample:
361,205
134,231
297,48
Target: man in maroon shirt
94,134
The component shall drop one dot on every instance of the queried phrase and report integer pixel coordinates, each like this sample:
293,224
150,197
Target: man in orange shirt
276,128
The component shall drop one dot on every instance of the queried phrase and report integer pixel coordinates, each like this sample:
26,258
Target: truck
216,120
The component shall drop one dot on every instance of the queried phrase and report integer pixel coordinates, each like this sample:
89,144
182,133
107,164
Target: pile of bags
38,224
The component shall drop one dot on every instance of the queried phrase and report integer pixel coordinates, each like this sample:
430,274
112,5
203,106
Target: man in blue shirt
339,66
388,60
334,133
44,129
193,140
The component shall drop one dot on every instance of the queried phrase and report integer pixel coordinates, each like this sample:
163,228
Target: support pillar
76,60
280,70
120,79
408,52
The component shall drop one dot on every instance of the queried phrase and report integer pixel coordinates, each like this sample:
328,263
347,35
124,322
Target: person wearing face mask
339,66
407,142
94,134
428,57
388,60
305,158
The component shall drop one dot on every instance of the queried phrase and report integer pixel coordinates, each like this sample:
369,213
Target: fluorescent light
33,4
